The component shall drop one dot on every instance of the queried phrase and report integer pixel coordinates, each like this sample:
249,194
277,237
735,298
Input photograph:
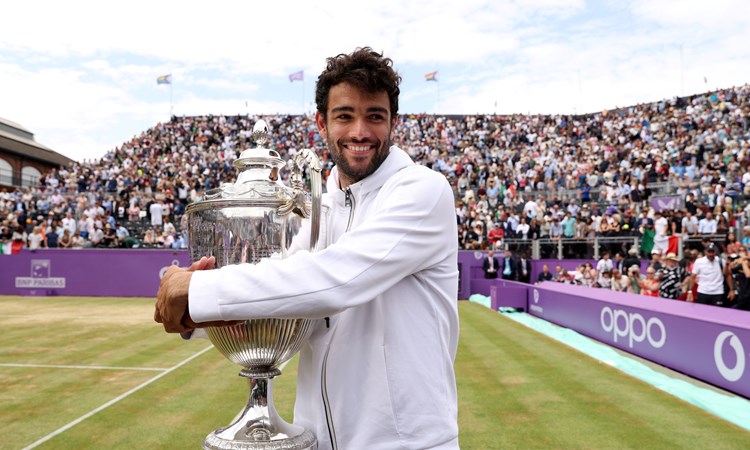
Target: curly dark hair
365,69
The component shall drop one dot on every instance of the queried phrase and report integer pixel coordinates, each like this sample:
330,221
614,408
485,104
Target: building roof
16,139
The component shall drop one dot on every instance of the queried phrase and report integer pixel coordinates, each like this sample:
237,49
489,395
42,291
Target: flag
297,76
705,80
164,79
432,76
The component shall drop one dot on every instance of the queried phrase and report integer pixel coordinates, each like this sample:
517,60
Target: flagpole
171,105
437,110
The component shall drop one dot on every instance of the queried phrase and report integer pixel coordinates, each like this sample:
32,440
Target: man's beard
354,175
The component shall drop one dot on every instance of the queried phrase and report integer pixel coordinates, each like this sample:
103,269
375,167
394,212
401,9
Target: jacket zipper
350,203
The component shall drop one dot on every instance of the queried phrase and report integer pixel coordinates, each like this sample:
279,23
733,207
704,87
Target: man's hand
172,299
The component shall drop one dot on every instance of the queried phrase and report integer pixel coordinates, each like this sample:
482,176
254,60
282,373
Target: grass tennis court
98,373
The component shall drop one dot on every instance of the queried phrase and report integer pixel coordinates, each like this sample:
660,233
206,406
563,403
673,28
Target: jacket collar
396,160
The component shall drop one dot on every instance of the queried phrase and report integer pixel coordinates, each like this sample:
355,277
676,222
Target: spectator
740,268
545,274
51,238
69,222
495,236
604,279
689,225
605,263
522,230
109,237
524,268
656,260
650,284
66,240
149,240
510,266
156,212
708,272
568,225
555,229
707,225
36,239
635,280
490,265
672,278
134,212
618,262
620,281
79,241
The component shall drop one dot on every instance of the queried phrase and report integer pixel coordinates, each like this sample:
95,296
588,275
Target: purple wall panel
505,294
706,342
90,272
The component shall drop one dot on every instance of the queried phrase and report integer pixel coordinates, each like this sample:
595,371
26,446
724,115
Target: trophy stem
259,426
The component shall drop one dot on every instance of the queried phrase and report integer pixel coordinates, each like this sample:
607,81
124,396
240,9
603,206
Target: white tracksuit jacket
380,374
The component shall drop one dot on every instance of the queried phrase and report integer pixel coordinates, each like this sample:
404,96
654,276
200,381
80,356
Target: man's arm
729,280
411,228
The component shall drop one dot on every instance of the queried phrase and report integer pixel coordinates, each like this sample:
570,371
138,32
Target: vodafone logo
165,268
729,373
633,327
534,307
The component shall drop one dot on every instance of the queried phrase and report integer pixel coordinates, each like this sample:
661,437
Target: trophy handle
310,159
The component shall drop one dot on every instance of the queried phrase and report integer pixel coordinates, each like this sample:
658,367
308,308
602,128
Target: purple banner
131,273
89,272
705,342
668,203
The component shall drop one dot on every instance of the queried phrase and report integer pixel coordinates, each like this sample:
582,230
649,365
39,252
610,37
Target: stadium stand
560,181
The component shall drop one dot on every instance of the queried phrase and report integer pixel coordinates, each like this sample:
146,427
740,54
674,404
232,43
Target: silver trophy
259,217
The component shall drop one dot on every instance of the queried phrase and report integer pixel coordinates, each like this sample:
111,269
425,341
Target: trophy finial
260,132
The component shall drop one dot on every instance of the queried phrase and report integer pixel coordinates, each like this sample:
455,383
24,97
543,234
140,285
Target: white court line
113,401
51,366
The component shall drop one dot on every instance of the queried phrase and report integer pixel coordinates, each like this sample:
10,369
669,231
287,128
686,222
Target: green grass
517,389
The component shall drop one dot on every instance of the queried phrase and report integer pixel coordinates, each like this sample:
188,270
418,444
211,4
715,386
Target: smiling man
378,374
357,129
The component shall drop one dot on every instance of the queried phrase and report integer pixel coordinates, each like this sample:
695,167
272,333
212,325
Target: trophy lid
258,173
260,154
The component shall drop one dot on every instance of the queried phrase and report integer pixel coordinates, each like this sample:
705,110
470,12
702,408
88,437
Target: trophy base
304,441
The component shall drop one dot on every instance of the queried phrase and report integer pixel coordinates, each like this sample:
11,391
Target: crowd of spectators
725,280
514,176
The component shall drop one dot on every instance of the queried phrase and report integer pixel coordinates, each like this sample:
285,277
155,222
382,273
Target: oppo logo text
633,327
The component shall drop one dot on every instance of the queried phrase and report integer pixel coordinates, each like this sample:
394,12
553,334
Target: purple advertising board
471,274
705,342
509,294
89,272
134,273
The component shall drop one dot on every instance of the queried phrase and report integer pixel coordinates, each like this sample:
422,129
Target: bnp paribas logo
41,276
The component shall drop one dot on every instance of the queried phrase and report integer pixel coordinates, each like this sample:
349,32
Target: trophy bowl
244,222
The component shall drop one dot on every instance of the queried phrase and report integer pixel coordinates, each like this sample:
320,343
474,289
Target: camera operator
740,269
634,279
